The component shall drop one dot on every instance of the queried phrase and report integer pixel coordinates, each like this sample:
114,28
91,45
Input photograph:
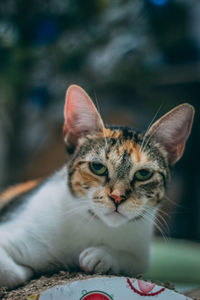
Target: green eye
98,168
143,175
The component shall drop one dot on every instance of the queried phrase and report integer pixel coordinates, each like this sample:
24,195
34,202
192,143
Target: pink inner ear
76,98
80,113
173,129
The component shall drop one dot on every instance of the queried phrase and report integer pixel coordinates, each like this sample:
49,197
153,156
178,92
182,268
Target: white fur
54,230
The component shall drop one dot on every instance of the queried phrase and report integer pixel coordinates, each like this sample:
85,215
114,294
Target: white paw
97,260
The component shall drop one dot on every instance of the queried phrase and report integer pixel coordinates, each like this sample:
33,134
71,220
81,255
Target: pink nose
116,197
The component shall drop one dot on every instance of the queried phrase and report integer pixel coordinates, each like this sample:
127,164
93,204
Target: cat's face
121,173
121,180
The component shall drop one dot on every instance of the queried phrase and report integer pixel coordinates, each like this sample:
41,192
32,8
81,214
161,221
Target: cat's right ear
80,117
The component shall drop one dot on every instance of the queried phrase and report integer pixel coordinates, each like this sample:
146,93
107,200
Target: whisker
89,218
163,212
151,135
73,211
158,225
84,216
98,109
146,132
164,223
81,205
174,203
78,224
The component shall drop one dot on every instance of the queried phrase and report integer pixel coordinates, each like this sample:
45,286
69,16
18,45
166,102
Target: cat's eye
98,168
143,175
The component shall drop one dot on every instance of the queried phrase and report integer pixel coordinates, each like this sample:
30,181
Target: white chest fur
55,230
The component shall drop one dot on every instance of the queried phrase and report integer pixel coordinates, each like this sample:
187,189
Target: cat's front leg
98,260
12,274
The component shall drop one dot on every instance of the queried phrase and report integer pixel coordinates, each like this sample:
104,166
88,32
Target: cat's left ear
81,117
173,130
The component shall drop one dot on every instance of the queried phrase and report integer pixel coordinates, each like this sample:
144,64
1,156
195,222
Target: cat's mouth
108,214
112,218
114,213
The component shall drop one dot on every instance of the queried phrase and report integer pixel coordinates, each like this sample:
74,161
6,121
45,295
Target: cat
97,212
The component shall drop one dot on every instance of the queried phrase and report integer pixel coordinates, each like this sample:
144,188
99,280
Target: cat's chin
114,219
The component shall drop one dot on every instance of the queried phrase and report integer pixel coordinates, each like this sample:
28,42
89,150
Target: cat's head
119,173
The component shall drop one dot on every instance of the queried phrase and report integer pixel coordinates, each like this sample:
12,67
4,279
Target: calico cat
97,212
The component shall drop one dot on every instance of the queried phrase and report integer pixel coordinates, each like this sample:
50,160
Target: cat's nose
116,197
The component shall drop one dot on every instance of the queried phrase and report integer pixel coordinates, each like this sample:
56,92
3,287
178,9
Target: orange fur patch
78,188
130,147
88,178
14,191
137,153
112,133
82,177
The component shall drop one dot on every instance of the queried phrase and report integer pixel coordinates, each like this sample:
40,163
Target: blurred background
135,58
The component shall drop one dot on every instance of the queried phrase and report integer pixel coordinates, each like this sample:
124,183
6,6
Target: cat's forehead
124,144
122,151
120,147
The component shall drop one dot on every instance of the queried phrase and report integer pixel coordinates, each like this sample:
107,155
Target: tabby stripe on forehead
124,166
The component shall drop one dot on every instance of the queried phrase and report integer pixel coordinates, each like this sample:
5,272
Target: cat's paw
97,260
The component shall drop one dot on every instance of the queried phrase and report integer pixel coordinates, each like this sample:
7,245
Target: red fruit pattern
143,288
96,295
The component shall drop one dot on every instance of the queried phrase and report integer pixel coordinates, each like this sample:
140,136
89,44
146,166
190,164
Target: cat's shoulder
14,195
